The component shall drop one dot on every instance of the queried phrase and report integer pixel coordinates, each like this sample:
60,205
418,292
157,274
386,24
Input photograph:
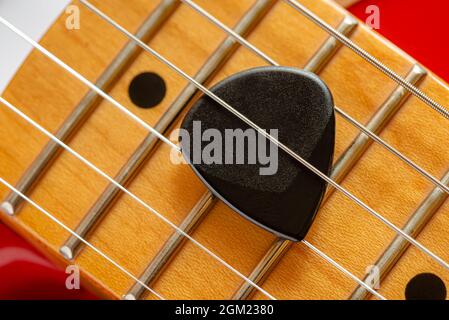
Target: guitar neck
149,248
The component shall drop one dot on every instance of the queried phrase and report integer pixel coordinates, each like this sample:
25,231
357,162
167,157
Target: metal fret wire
132,195
105,97
266,135
231,32
346,116
372,60
87,243
316,250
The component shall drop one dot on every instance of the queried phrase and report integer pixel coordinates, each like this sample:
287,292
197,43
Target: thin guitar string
369,58
265,134
81,158
346,116
305,163
87,243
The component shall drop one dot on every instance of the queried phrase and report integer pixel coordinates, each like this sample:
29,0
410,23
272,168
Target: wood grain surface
132,235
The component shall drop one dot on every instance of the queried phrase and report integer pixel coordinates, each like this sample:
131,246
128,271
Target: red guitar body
415,26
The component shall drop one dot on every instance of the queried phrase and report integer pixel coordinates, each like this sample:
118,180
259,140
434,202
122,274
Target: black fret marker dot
425,286
147,90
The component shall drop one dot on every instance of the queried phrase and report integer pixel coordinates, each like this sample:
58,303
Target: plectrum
248,172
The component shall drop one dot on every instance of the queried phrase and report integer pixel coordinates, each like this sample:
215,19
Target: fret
193,219
71,247
263,269
330,46
416,223
12,202
341,168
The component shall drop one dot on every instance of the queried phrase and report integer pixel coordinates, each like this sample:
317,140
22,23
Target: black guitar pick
285,198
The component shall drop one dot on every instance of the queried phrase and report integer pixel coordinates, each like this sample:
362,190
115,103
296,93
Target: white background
33,17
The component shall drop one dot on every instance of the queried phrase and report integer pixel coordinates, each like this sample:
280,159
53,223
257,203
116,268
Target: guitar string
87,243
92,166
346,116
217,99
369,58
265,134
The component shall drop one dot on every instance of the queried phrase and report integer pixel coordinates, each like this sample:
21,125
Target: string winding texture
365,55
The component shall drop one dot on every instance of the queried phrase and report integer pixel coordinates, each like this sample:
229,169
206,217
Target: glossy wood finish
346,3
132,236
